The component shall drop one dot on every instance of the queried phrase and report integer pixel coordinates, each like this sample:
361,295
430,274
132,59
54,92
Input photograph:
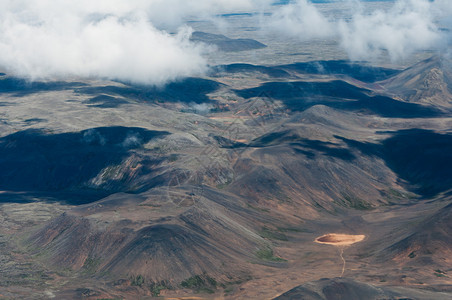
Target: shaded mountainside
89,164
423,158
224,43
230,201
333,68
21,87
174,234
428,82
343,172
349,289
299,95
273,72
162,236
430,243
342,68
309,175
188,90
420,157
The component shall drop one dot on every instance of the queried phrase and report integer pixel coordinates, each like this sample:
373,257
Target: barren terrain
231,185
225,203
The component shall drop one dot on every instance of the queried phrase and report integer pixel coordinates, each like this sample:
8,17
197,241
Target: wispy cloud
129,40
115,39
404,28
301,20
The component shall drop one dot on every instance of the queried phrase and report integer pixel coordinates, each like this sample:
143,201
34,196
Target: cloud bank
301,20
114,39
129,40
406,27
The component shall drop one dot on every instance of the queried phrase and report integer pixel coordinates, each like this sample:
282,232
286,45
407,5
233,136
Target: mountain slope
428,82
349,289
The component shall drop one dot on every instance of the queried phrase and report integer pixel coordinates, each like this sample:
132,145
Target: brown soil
338,239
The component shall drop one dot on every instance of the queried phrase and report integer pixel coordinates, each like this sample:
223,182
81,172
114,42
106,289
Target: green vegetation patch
229,287
393,196
439,273
353,202
291,229
267,254
200,284
90,265
156,288
173,157
258,208
137,280
272,235
224,185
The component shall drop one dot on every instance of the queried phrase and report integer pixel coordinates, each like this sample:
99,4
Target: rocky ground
219,186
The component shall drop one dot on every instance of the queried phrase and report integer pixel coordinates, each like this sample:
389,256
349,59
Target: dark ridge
104,101
240,68
166,240
421,157
370,149
275,138
3,103
200,242
340,289
342,67
224,43
299,96
236,15
34,120
390,108
308,154
21,87
227,143
303,146
286,91
61,165
326,148
431,236
189,90
281,2
429,81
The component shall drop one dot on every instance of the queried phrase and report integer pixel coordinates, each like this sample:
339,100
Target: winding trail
342,257
341,241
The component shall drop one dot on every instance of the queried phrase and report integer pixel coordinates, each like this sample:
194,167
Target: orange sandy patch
241,141
339,239
186,298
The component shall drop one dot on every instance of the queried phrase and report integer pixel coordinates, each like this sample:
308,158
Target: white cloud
115,39
170,12
406,27
126,40
301,20
201,108
132,140
92,136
